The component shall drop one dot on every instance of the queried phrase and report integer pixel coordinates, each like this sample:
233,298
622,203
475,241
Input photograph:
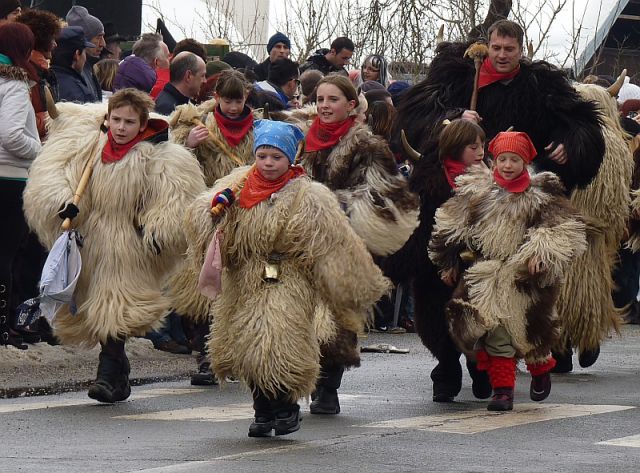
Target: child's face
509,165
124,123
473,153
333,106
271,162
232,108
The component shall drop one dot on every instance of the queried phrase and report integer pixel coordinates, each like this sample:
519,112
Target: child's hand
536,266
196,136
449,276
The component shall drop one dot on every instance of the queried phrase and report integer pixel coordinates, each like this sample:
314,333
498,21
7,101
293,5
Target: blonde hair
105,70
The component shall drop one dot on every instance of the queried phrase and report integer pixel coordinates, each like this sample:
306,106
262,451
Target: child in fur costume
525,235
230,121
293,270
131,219
360,169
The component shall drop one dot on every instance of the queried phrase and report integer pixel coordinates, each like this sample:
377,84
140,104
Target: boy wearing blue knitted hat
292,270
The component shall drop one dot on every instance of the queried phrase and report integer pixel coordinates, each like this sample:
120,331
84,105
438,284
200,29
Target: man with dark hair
278,47
532,97
10,10
68,61
186,76
283,81
112,39
333,59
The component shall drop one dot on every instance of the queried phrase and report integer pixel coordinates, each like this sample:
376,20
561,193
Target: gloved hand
68,210
226,198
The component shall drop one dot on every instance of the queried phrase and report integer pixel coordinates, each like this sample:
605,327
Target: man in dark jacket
186,76
333,59
283,81
278,47
68,62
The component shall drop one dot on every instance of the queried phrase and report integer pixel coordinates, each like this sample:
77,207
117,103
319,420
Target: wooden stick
86,175
234,157
474,96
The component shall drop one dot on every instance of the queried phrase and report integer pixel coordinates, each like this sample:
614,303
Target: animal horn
265,112
413,154
440,36
530,50
614,89
51,104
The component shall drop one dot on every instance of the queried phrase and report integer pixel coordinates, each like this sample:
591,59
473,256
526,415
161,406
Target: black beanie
278,38
7,6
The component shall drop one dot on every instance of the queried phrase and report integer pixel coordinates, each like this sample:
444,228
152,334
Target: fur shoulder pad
13,73
548,182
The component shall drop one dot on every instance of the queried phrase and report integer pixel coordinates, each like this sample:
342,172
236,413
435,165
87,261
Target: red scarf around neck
489,75
519,184
453,169
257,188
113,152
234,130
326,135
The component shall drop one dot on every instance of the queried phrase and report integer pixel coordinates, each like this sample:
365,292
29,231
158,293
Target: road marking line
630,441
53,403
201,414
476,421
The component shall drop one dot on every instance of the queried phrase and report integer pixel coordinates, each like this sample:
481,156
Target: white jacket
19,140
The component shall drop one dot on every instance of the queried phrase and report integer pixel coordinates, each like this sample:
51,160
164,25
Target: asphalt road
590,423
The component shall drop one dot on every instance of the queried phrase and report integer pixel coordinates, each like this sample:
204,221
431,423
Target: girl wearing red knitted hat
522,234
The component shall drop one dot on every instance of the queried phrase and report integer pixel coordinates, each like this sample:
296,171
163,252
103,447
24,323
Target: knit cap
79,16
278,38
281,135
7,6
513,142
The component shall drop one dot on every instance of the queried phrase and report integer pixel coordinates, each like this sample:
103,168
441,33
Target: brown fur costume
585,304
270,334
506,230
362,173
119,290
215,163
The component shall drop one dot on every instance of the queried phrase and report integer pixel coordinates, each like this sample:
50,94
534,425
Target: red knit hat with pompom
513,142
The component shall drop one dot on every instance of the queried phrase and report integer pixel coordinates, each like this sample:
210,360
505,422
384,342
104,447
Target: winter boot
325,397
564,362
480,385
264,420
502,375
204,376
540,379
112,381
287,419
8,336
447,377
588,357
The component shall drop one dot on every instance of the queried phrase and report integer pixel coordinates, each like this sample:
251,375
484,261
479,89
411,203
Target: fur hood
13,73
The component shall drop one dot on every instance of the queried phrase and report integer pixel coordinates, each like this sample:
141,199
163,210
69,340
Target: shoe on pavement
261,427
588,357
288,422
325,401
540,387
172,346
502,400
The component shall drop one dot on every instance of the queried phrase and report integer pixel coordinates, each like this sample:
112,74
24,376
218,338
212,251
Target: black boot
264,420
564,362
447,380
480,385
588,357
288,419
325,398
8,336
204,376
112,382
502,400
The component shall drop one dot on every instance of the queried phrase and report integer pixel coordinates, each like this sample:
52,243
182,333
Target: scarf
6,60
257,188
113,152
519,184
453,169
326,135
488,74
232,129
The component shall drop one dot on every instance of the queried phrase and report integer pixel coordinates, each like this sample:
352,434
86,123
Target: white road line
630,441
202,414
475,421
52,403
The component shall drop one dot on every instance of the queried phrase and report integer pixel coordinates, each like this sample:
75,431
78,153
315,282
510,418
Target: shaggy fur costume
127,206
270,334
539,101
362,173
215,163
506,230
585,304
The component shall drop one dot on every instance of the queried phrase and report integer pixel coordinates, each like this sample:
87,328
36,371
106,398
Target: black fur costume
539,101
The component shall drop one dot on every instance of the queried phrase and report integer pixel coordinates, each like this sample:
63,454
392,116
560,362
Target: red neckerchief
113,152
257,188
489,75
234,130
326,135
519,184
453,169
